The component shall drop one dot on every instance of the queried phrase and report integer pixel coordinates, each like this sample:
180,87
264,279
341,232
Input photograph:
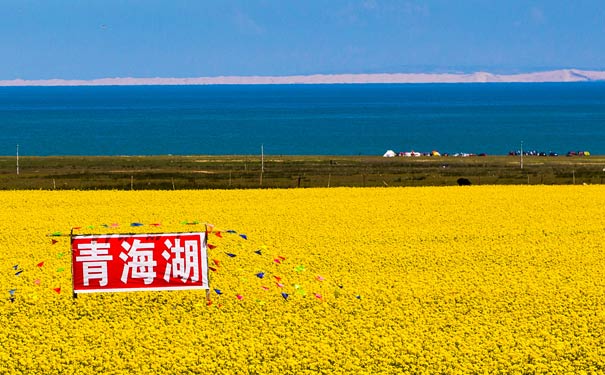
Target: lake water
364,119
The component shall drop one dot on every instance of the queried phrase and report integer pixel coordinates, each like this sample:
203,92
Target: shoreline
423,156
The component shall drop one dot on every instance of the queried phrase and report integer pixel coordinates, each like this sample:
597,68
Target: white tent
389,154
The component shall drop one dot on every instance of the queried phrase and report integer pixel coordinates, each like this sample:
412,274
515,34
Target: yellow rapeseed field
356,281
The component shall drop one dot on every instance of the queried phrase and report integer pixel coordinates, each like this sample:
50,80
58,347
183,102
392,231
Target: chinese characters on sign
112,263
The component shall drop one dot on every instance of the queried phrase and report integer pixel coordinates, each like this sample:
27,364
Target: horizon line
560,75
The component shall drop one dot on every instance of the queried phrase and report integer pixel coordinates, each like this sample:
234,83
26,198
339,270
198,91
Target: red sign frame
139,262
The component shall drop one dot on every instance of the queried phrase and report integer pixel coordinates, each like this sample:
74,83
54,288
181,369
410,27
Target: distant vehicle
482,154
553,154
541,153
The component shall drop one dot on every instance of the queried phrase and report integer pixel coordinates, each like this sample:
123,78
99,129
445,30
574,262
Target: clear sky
86,39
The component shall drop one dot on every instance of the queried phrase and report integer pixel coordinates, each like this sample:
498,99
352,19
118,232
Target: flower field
342,280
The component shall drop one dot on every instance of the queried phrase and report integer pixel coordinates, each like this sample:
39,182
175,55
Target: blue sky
41,39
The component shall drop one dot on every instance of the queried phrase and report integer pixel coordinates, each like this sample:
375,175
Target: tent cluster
550,153
392,154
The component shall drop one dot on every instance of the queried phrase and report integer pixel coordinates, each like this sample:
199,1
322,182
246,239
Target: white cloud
246,24
413,8
370,4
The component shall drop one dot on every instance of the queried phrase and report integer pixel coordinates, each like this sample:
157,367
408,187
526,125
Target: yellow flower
412,280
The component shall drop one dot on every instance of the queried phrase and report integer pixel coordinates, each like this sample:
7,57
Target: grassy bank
245,172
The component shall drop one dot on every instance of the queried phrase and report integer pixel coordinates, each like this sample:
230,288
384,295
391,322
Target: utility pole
262,163
521,162
17,159
262,158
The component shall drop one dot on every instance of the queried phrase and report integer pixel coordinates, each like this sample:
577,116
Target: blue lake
364,119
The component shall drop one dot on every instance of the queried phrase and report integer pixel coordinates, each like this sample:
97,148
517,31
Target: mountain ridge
561,75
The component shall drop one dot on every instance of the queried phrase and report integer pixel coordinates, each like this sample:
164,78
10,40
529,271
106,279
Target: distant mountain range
563,75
